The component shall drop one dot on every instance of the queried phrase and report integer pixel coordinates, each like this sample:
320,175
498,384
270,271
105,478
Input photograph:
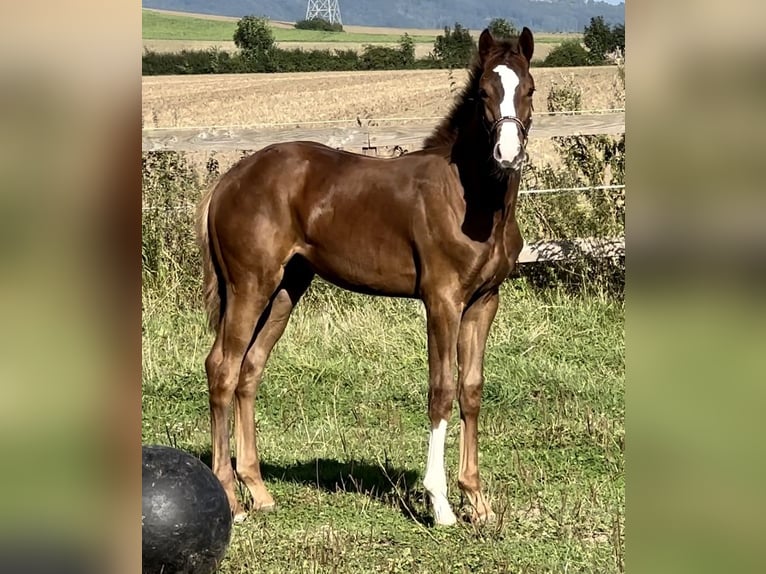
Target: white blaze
508,138
435,480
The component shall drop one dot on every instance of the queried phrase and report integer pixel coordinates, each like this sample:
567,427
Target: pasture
341,413
343,434
166,26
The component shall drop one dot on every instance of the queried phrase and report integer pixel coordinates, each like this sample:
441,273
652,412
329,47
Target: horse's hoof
446,520
475,517
268,507
485,518
239,516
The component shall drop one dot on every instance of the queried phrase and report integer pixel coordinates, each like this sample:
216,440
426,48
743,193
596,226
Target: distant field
421,96
166,25
248,99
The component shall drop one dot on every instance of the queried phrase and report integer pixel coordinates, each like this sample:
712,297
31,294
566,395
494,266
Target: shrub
564,98
568,53
211,61
407,49
254,36
502,28
586,161
380,58
454,48
319,24
387,58
169,255
315,60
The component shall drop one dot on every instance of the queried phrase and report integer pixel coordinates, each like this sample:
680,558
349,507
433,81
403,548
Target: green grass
155,26
343,435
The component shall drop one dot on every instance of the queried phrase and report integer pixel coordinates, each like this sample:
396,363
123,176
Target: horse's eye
483,94
531,91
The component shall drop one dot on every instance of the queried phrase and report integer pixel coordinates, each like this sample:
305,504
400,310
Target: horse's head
506,88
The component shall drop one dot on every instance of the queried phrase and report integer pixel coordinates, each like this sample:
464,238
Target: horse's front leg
443,320
474,329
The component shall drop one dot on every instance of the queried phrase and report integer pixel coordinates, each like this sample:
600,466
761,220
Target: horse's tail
212,286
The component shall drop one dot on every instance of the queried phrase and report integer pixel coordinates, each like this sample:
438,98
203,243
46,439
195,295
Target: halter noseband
514,119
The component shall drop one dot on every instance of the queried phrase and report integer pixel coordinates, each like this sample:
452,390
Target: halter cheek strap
514,119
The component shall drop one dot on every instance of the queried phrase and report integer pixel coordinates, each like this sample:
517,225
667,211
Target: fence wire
364,122
191,206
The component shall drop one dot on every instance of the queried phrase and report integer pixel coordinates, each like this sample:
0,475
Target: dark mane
445,133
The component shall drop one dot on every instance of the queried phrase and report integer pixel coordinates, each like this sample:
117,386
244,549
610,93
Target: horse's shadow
386,484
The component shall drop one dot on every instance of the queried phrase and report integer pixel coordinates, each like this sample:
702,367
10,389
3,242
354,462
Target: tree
254,36
599,38
455,47
618,37
502,28
407,49
568,53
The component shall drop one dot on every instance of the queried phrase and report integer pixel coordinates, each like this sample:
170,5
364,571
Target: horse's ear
527,43
486,42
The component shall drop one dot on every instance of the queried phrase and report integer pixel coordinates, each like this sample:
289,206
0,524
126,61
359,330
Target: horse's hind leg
270,328
243,308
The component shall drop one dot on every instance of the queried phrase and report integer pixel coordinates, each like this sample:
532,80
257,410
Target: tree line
454,48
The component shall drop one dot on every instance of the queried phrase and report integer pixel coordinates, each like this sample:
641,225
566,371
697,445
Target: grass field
343,435
342,409
163,26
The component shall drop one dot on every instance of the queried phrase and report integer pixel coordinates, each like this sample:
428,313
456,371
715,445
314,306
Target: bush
585,161
211,61
387,58
407,49
502,28
454,48
564,98
319,24
568,53
315,60
254,36
170,259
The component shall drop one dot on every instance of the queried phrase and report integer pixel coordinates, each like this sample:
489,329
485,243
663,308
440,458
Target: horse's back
351,216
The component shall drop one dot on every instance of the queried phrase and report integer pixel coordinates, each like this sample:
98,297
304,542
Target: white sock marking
435,480
508,138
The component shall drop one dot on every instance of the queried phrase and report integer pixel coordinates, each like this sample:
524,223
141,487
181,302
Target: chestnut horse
437,224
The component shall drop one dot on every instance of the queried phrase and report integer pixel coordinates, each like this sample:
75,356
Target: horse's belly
376,271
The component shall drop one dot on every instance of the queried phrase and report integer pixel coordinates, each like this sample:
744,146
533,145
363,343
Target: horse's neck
472,153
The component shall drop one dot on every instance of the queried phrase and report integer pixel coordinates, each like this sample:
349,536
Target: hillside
540,15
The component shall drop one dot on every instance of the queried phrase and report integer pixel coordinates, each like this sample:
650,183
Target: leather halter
514,119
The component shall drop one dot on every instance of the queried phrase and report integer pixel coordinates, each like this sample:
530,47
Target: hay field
247,99
411,96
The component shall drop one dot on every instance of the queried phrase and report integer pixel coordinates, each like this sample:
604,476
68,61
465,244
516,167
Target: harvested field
248,99
412,96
